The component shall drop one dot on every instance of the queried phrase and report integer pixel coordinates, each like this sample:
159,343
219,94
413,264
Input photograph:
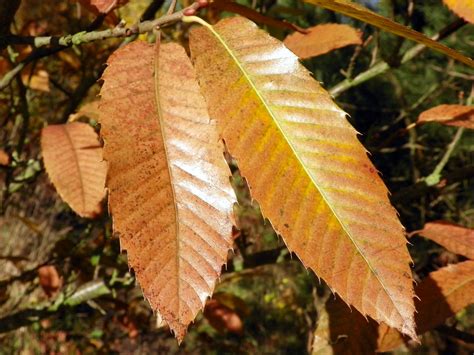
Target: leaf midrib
272,114
159,112
78,167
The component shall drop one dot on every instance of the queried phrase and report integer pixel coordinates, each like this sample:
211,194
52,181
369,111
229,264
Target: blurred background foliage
66,288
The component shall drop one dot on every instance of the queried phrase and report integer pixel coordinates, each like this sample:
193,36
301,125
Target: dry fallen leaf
322,39
73,160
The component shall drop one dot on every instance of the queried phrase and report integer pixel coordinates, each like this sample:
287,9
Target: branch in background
435,177
84,294
421,189
67,41
91,36
382,67
8,9
151,10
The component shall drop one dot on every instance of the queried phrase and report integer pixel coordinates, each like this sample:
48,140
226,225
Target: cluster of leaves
164,117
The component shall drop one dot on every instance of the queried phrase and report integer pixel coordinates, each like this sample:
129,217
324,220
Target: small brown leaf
38,81
49,279
463,8
73,160
102,6
455,238
451,115
223,318
322,39
4,158
89,110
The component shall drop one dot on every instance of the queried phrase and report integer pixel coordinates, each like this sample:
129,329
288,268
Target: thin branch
435,177
172,7
382,67
66,41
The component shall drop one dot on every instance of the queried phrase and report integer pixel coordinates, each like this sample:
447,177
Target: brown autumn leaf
4,158
89,110
73,160
102,6
306,168
170,195
223,318
451,115
322,39
463,8
38,81
49,279
455,238
442,294
359,12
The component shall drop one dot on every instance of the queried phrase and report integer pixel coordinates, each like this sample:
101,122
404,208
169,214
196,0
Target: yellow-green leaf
361,13
306,167
170,196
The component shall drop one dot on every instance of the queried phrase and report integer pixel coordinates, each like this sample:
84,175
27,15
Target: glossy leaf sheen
306,168
457,239
361,13
322,39
73,160
450,115
170,195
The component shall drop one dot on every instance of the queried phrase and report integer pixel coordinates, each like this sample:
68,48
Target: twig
172,7
87,37
421,189
435,177
382,67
